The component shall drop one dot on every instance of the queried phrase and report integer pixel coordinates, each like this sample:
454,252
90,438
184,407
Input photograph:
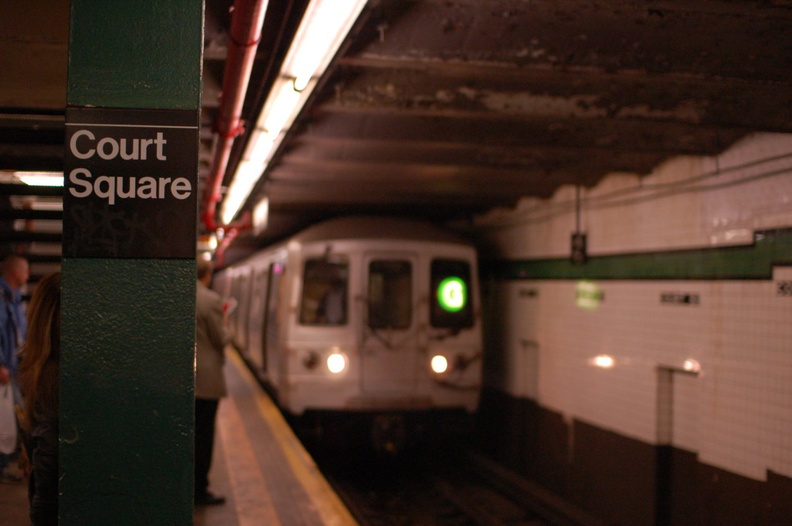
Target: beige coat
210,339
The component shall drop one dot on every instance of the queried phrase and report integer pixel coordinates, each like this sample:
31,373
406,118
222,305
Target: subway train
363,328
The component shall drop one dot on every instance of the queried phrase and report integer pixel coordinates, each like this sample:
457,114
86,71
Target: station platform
259,466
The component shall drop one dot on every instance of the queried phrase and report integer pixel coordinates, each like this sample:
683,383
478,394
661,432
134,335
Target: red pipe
246,23
219,257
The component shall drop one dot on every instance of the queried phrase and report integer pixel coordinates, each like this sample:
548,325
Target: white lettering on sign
112,187
83,145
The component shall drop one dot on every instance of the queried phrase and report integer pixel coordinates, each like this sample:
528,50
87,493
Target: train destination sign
452,294
130,183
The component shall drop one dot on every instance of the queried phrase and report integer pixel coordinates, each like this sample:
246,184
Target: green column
128,323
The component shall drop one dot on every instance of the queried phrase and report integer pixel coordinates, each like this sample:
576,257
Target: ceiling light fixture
38,178
261,215
323,28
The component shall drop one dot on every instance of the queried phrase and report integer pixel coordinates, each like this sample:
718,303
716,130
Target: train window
324,296
390,294
451,303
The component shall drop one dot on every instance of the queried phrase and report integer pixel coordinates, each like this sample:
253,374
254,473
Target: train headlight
439,364
336,363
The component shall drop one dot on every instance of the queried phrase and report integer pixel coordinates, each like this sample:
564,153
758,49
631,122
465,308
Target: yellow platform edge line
252,499
328,504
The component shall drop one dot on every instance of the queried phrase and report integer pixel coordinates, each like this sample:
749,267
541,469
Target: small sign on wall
130,183
680,298
588,295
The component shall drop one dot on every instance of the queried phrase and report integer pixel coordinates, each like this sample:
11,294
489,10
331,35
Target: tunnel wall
650,384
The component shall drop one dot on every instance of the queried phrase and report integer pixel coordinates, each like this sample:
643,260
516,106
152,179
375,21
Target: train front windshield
451,305
390,294
324,298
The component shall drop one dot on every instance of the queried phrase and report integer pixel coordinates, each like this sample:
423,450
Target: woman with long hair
38,378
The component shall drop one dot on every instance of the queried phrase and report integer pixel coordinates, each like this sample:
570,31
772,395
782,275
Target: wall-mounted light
324,27
692,366
603,361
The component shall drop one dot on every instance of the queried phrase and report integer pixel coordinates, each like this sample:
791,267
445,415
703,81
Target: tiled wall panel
737,414
686,202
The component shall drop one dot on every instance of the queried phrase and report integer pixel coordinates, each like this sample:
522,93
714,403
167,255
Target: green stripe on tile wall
756,261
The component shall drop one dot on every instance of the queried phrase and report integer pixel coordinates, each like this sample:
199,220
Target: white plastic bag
8,426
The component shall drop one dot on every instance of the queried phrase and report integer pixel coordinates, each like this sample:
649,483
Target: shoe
209,499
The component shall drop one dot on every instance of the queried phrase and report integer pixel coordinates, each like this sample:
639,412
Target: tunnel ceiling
444,109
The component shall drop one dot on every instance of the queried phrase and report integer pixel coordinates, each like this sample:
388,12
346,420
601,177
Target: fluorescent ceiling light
246,176
43,203
261,216
42,180
34,178
279,114
324,27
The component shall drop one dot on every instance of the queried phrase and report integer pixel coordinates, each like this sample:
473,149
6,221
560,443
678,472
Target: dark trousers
205,412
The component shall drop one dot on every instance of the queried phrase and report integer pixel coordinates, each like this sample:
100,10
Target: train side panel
254,293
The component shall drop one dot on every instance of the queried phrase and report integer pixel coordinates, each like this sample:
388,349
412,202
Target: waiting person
210,387
39,370
15,274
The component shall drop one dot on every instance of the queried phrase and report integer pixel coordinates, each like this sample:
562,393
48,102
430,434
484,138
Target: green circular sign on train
452,294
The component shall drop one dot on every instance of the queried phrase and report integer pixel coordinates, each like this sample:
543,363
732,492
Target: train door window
451,306
272,322
258,316
243,322
325,290
236,292
390,294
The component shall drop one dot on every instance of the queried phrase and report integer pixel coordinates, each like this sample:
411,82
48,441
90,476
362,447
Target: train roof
377,227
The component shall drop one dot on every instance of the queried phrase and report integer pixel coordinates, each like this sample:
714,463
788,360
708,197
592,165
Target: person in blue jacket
13,329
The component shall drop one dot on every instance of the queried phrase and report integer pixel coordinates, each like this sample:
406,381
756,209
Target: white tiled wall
686,202
737,414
